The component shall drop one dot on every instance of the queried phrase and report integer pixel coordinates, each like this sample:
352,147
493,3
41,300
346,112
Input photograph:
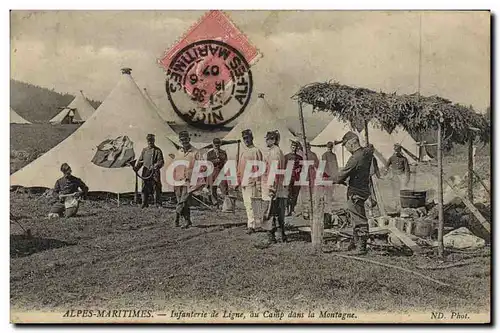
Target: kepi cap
183,134
348,136
272,135
246,132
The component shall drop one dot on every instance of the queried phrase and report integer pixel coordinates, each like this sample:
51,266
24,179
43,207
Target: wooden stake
136,189
482,182
440,190
118,201
470,165
471,207
317,233
238,155
343,162
366,133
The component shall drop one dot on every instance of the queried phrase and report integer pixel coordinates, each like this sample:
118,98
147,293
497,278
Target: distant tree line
38,104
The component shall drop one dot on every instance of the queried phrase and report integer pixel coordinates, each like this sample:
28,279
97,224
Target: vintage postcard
250,167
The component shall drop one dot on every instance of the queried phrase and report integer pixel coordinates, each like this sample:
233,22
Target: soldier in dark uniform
151,160
358,171
399,165
218,157
293,190
67,187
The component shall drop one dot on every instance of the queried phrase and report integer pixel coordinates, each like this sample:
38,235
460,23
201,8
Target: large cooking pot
412,199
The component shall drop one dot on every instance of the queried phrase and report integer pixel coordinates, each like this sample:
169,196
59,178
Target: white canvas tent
332,132
383,141
81,108
124,112
164,114
173,136
17,119
260,119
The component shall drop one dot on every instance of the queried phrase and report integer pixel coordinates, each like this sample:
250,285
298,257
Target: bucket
412,199
423,228
229,204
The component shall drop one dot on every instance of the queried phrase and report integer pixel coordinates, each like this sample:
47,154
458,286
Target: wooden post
366,133
470,174
343,162
136,189
238,154
440,190
316,228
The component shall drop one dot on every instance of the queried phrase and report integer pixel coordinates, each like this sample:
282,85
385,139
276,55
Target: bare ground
110,257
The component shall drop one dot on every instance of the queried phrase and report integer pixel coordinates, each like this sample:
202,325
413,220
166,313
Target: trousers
278,206
213,191
253,203
357,212
183,196
293,195
59,209
151,186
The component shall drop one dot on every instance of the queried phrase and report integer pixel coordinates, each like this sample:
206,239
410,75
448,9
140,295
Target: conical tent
173,136
17,119
81,108
125,112
164,114
384,142
381,140
260,119
332,132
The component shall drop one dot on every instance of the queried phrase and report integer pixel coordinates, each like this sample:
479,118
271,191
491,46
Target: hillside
38,104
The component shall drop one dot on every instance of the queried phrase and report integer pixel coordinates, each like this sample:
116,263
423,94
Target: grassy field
110,257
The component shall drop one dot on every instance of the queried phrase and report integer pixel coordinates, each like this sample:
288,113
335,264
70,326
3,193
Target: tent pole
440,191
316,228
118,201
470,182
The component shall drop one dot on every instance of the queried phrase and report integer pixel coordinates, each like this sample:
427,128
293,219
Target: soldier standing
357,170
293,190
251,191
274,194
218,157
183,173
151,159
399,165
331,170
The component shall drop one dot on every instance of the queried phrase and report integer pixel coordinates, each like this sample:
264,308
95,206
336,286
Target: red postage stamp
209,82
214,25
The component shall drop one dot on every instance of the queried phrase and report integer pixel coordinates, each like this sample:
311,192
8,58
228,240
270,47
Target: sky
84,50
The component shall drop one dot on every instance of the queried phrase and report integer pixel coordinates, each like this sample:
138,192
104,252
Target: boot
283,236
144,198
250,231
354,241
188,224
271,237
177,218
327,220
361,246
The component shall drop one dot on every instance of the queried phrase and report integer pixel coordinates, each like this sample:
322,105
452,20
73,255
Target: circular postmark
209,83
